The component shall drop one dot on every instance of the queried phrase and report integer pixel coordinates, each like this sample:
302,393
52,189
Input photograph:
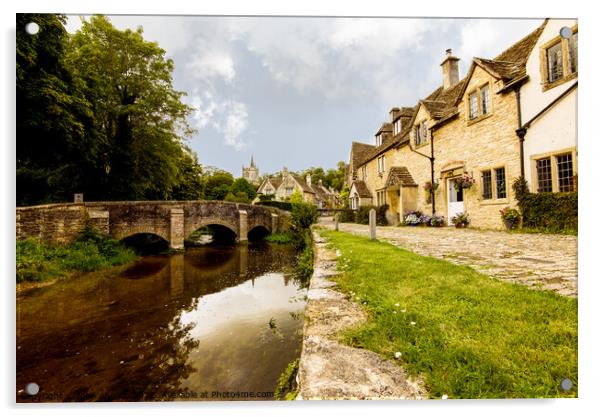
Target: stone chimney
308,179
284,172
394,112
450,70
320,182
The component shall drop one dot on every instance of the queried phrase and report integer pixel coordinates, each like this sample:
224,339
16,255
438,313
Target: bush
547,212
362,215
461,219
303,215
265,197
347,215
287,383
280,238
282,205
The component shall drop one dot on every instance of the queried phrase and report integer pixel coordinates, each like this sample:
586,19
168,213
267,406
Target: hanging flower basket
464,182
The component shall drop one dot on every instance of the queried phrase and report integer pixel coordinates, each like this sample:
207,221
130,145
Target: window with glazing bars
573,52
544,175
417,135
564,164
554,57
424,138
486,183
473,104
485,106
500,182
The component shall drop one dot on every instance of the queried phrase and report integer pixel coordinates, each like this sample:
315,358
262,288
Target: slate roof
400,176
362,189
510,66
304,186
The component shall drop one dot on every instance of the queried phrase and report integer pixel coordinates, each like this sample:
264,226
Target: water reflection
166,327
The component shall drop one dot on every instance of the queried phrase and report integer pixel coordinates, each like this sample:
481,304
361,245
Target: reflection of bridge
171,220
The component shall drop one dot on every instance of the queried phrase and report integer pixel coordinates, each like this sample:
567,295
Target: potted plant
510,217
464,182
428,189
412,218
461,220
437,221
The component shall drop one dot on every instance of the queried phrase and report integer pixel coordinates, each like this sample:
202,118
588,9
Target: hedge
283,205
362,215
550,212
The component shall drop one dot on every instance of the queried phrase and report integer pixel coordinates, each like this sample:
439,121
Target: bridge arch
258,232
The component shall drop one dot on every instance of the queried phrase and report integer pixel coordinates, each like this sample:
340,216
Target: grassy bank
91,251
466,334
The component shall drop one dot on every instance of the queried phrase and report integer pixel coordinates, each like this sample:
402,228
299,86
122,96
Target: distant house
471,138
283,188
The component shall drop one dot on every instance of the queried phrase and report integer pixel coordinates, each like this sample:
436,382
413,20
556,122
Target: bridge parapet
171,220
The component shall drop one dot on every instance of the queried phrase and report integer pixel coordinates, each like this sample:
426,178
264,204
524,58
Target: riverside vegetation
466,334
91,251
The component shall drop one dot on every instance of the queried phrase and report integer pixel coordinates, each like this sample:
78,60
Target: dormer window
397,127
473,105
479,102
420,133
379,139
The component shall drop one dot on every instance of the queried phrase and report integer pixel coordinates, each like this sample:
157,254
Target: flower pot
461,226
510,224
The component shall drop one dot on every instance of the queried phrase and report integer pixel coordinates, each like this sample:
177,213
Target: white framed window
379,139
479,102
381,164
381,198
364,172
417,135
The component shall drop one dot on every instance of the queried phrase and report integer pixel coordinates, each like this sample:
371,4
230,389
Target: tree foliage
97,113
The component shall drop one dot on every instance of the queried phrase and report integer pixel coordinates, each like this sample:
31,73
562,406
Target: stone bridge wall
171,220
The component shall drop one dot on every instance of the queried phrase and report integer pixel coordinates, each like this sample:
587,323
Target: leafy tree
217,184
240,197
241,185
139,117
56,150
296,197
190,184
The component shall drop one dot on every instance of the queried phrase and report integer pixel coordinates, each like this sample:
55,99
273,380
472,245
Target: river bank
329,369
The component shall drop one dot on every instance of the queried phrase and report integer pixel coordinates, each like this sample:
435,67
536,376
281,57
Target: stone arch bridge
171,220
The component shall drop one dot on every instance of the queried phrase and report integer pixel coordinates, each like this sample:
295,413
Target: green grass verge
37,261
466,334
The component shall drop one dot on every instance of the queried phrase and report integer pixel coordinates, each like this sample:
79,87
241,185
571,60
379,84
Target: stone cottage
283,188
469,139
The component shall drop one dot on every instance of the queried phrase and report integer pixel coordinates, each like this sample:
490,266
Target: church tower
251,173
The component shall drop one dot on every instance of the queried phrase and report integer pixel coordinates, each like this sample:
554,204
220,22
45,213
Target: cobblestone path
537,260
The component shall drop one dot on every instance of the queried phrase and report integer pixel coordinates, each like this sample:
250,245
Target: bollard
336,222
372,224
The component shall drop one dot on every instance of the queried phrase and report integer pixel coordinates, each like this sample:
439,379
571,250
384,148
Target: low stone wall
55,223
329,370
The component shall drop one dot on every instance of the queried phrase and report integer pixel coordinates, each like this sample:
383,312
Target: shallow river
186,326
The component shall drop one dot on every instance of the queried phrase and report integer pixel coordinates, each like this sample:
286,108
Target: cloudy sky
296,91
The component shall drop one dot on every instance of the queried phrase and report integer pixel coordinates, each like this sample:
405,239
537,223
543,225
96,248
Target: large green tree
56,141
139,116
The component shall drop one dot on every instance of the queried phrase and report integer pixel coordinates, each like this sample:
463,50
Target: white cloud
235,124
228,117
212,64
486,38
205,108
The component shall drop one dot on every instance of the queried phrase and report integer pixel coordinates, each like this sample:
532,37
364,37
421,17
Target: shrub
362,215
282,205
265,197
303,215
547,212
347,215
287,383
280,238
461,219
